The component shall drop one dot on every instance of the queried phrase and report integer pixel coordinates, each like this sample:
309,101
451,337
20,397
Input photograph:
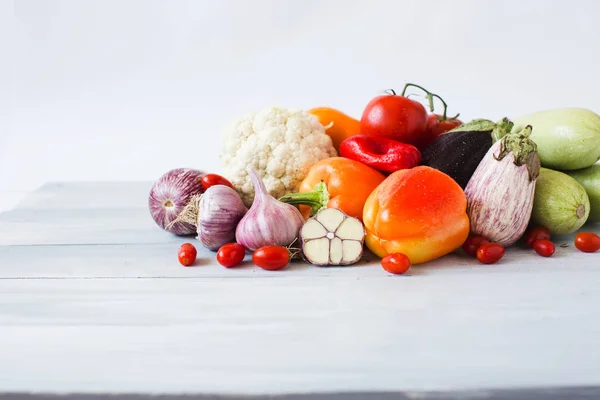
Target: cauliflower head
280,144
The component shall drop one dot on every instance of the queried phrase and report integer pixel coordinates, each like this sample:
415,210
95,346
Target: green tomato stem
430,97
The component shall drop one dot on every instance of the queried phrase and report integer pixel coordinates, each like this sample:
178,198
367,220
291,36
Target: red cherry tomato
394,117
473,243
537,233
271,258
187,254
587,242
231,254
437,126
544,247
395,263
209,180
490,253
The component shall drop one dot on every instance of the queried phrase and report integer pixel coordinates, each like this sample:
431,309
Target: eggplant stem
502,128
524,151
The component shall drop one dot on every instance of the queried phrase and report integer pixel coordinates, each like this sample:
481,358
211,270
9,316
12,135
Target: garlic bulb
268,222
220,210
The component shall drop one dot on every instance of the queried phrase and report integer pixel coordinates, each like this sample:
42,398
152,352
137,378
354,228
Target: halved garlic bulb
332,238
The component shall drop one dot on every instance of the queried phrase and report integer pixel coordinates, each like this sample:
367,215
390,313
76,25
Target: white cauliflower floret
280,144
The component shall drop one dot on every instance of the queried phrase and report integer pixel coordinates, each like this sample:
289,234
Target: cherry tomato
395,263
209,180
537,233
187,254
271,258
231,254
473,243
394,117
587,242
490,253
437,126
544,247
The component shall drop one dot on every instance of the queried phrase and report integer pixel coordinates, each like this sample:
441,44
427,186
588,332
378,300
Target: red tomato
187,254
490,253
544,247
537,233
394,117
209,180
587,242
231,254
437,126
395,263
473,243
271,258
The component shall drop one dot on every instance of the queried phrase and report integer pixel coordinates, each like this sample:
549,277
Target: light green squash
589,178
567,138
561,204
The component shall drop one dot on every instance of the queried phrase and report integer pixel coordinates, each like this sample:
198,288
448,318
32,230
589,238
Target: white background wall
127,89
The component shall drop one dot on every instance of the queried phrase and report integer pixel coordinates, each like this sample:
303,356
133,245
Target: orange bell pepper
420,212
342,126
336,182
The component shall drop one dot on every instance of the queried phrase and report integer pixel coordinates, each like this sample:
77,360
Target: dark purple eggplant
458,152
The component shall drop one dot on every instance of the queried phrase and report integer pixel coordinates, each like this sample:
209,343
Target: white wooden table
92,300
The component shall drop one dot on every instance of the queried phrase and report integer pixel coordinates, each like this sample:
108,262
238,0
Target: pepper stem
316,199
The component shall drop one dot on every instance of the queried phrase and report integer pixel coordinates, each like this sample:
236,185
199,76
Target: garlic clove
336,252
350,229
331,218
313,229
317,251
352,251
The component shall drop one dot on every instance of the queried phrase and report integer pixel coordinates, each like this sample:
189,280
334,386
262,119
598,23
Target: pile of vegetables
410,184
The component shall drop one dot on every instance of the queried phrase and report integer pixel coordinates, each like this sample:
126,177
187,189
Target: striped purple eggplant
500,193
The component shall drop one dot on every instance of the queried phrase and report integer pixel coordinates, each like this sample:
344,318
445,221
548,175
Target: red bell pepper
380,153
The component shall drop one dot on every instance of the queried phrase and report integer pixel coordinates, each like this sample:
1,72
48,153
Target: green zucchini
566,138
589,178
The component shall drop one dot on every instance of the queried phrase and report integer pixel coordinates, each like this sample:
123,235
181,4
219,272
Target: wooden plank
29,226
92,299
573,393
159,260
210,335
